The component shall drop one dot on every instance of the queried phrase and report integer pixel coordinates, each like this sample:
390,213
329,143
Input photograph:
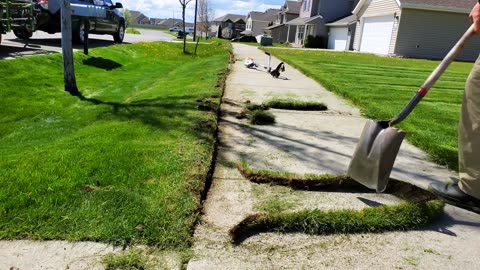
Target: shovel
375,154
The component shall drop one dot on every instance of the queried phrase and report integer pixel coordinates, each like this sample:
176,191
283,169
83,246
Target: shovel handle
422,92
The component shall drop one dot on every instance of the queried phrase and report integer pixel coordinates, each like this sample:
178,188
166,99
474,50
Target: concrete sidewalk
314,142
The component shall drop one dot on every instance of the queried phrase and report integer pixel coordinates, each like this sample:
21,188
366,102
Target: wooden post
85,38
70,82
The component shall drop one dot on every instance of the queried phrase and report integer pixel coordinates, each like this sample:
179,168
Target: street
44,43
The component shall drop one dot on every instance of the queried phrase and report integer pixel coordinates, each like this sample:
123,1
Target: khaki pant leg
469,135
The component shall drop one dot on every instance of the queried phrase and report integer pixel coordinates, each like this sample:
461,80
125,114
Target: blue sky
172,8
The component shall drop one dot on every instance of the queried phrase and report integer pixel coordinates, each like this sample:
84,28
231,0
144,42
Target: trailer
18,16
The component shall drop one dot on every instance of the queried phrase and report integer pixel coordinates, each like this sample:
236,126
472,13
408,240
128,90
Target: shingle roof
268,16
135,14
232,17
302,21
457,4
462,6
345,21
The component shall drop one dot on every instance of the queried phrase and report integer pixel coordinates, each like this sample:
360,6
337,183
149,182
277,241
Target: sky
172,8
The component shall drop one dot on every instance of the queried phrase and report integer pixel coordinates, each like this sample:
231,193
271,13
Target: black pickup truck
48,19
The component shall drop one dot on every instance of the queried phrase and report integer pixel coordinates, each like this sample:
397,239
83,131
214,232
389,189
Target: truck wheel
78,34
120,34
23,33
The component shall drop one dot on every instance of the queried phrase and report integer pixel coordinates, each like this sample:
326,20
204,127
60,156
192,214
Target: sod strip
298,105
329,182
402,217
420,211
296,181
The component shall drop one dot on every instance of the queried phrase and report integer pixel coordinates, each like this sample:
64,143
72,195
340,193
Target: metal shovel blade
375,154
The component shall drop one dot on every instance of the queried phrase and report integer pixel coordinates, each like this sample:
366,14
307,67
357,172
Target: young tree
128,18
184,4
70,82
205,16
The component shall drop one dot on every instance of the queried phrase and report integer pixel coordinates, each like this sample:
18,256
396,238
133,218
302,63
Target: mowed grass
382,86
127,164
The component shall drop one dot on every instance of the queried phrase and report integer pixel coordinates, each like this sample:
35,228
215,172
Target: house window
249,24
306,6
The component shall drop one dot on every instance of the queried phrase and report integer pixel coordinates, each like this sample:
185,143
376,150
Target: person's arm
475,17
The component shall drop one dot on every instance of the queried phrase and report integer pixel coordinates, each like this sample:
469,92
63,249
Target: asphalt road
44,43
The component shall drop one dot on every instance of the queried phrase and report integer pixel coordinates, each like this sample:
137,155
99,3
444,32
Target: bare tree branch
205,16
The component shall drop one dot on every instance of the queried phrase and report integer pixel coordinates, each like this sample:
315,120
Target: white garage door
377,34
337,40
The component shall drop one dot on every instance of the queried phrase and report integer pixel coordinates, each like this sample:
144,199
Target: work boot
452,194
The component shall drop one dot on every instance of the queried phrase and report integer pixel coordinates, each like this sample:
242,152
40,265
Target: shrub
314,42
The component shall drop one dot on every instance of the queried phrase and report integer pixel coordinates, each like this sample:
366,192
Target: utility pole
195,22
70,82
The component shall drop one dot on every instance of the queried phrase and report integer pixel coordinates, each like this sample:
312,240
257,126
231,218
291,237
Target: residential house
138,18
257,21
341,33
155,21
172,22
315,14
414,28
228,26
279,30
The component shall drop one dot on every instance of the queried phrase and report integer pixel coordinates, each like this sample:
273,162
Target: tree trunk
70,83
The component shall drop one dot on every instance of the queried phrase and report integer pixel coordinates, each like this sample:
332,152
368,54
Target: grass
256,107
402,217
125,164
257,113
261,117
280,200
382,86
296,181
275,205
133,31
134,259
290,104
328,182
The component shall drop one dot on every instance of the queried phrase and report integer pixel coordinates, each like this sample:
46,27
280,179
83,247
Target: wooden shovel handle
433,78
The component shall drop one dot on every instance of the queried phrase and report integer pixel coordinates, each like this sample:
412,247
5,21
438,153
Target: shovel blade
375,154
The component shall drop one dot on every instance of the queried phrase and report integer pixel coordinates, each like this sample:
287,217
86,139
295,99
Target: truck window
98,2
108,2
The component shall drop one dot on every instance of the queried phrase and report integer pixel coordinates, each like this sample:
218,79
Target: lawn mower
250,63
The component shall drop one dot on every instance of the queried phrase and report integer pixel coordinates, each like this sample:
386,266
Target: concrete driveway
44,43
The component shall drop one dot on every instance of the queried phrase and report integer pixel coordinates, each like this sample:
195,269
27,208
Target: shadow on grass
156,113
102,63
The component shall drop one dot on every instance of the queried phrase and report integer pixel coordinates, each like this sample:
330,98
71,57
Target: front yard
124,165
382,86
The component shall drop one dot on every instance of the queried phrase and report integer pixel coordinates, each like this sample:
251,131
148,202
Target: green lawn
133,31
126,164
382,86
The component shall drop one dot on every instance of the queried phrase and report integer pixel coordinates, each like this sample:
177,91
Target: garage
337,39
377,34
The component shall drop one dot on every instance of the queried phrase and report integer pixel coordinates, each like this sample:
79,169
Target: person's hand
475,18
